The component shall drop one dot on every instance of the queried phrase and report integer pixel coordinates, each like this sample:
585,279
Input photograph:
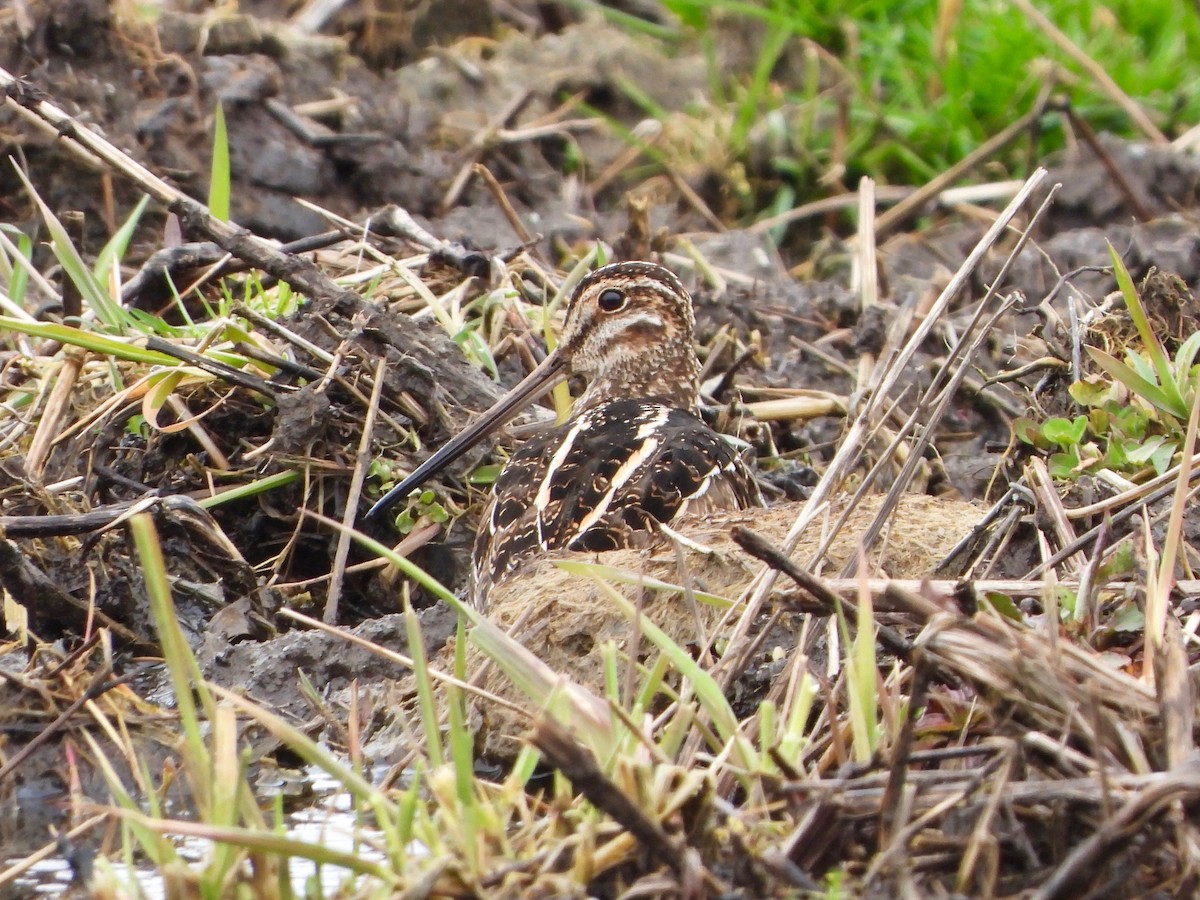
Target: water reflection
328,820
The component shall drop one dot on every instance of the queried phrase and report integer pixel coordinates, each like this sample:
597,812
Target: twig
866,273
889,821
274,360
362,464
694,200
1086,606
1176,698
224,371
1136,206
482,142
762,549
503,202
1051,506
50,424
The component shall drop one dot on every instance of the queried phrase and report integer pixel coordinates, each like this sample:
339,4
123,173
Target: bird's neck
674,382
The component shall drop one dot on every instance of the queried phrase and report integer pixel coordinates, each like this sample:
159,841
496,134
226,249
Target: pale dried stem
938,396
866,272
1051,505
57,407
362,465
218,459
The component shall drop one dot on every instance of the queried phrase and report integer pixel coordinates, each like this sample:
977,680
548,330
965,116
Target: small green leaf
1003,604
1064,465
1132,421
1065,432
1100,421
1162,458
1028,431
1140,453
1117,458
1138,385
1119,565
1185,357
485,475
1091,391
1067,601
1129,618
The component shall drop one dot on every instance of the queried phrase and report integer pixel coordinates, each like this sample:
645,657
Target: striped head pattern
629,333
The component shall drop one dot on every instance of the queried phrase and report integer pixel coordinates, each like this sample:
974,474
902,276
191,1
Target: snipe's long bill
633,456
532,386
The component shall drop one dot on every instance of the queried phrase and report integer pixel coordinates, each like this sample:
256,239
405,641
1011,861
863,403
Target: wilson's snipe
633,457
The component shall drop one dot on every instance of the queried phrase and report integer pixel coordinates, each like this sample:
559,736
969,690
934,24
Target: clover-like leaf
1065,464
1065,432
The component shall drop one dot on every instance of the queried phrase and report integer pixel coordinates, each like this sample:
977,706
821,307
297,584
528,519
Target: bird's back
605,480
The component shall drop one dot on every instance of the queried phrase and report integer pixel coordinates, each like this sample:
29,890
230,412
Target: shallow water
328,820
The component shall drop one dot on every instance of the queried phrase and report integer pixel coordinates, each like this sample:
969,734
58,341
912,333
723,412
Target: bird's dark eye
611,300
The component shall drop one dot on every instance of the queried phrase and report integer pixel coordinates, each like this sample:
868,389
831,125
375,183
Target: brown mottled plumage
634,455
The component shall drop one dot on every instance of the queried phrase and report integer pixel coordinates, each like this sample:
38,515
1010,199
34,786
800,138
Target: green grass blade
107,310
114,251
15,271
268,841
219,192
251,489
181,663
1154,347
862,681
708,692
427,705
88,340
1136,384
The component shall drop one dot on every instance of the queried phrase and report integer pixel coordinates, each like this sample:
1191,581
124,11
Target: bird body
604,481
634,455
